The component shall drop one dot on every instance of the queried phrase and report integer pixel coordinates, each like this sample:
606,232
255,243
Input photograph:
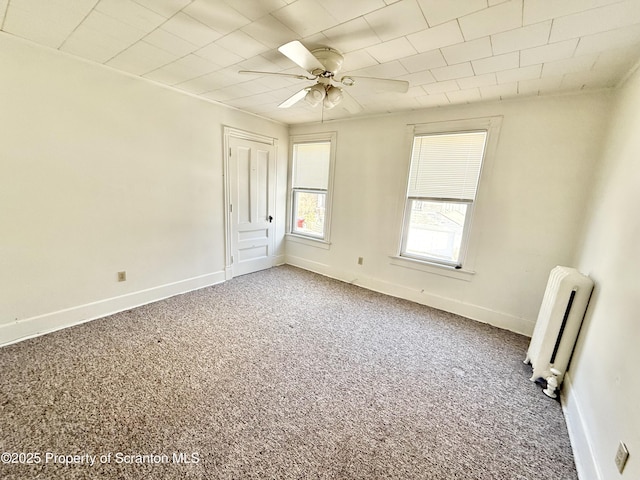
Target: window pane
308,213
435,230
311,165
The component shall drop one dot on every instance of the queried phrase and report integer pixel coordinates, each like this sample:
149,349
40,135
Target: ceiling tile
435,100
343,10
392,50
521,38
46,22
609,40
166,8
255,9
270,31
316,40
452,72
242,44
419,78
441,87
569,65
140,58
352,35
463,52
539,10
423,61
596,20
218,55
216,14
539,85
619,59
3,8
515,74
437,37
131,13
477,81
494,64
464,96
260,63
206,83
170,42
397,20
500,18
581,80
438,12
386,70
190,30
305,17
101,37
181,70
548,53
499,91
358,60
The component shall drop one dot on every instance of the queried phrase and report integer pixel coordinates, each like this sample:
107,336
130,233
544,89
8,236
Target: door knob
270,219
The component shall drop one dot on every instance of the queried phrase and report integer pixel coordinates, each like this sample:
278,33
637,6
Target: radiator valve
552,383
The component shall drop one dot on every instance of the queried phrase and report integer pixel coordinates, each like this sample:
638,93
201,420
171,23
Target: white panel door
252,190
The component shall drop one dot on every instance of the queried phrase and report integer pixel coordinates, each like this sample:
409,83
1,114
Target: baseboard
474,312
39,325
586,465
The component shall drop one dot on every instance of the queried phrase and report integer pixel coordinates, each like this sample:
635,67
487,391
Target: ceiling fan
323,64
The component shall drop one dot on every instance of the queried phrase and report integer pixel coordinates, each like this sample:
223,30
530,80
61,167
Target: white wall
603,389
528,216
101,172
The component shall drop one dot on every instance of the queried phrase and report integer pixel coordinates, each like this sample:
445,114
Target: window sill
434,268
309,241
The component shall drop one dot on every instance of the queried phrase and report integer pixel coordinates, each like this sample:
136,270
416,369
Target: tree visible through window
443,180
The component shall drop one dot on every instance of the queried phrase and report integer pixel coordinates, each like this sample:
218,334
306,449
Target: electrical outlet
360,260
621,456
122,276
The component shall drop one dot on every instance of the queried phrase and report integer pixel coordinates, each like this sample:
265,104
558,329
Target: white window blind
446,166
311,165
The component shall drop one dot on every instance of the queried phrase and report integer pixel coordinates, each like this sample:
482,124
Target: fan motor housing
330,58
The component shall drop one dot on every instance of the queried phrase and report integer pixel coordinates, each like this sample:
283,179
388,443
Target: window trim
313,240
465,266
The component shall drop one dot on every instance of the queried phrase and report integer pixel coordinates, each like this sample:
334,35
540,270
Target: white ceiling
451,52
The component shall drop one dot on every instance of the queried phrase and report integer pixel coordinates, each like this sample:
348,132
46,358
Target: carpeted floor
279,374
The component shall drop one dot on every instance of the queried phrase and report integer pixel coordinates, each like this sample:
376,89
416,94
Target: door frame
229,132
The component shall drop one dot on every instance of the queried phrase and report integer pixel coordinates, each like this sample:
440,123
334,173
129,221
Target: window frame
465,264
311,239
465,229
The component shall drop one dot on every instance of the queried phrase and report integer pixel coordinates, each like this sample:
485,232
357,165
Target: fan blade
299,54
349,103
376,84
293,99
292,75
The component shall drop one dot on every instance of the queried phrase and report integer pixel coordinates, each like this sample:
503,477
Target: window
443,180
310,186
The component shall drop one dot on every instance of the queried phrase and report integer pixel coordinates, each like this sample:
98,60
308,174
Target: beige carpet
279,374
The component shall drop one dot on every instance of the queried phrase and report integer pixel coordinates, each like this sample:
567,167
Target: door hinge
231,259
231,207
229,151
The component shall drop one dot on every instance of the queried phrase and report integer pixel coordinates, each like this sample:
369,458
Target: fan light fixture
333,98
315,95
